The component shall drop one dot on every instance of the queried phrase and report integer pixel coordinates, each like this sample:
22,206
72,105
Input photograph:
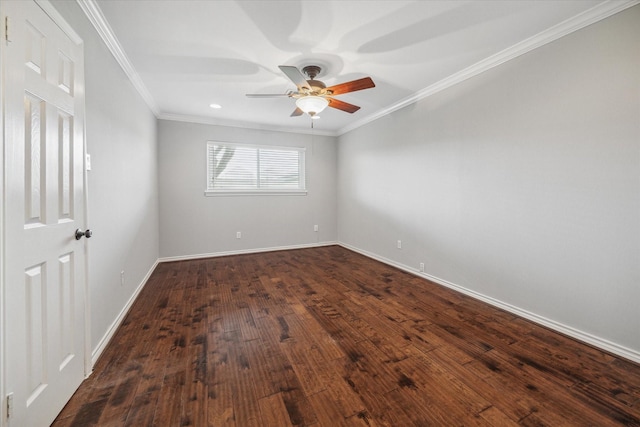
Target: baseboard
577,334
118,320
245,251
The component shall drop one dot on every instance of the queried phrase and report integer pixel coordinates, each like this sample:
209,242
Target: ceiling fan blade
352,86
267,95
295,76
297,112
344,106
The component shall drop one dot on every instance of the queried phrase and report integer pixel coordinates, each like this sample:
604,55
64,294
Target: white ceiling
184,55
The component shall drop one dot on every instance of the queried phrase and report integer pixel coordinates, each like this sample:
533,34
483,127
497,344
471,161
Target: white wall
193,224
121,135
521,184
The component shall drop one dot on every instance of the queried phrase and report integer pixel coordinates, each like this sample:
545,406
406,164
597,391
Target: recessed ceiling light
215,106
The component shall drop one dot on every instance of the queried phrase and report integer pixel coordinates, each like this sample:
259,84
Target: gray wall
121,135
193,224
521,184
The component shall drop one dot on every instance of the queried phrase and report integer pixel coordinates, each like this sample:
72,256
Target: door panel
45,284
36,345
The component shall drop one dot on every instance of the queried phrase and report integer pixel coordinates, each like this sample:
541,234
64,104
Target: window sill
218,193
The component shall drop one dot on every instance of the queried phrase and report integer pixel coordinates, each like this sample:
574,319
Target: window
254,169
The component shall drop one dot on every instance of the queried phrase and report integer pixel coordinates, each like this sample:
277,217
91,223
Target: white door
44,203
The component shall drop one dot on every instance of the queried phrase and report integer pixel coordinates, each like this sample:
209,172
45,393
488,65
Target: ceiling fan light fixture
312,105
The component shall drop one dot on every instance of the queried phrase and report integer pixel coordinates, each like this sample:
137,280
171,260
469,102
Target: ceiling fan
312,95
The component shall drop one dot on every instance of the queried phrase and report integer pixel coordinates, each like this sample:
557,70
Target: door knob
80,233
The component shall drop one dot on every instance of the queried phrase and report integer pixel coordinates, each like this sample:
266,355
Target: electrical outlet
422,267
315,227
238,235
122,278
399,245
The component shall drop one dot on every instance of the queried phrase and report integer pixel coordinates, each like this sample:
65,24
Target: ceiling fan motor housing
316,85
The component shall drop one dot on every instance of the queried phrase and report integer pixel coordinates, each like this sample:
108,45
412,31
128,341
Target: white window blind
254,169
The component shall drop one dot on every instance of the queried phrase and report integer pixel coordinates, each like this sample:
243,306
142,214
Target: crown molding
584,19
243,125
99,22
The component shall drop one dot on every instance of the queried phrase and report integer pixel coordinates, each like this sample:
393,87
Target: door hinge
9,405
7,28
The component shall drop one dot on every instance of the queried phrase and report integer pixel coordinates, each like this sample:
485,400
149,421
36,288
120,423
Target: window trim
209,191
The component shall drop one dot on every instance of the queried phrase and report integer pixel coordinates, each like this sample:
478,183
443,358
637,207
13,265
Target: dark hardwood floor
327,337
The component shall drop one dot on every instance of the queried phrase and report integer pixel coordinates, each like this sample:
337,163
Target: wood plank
143,409
273,411
325,406
220,409
495,417
346,400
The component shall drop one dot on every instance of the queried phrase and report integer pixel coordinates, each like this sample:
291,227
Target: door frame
61,22
3,399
